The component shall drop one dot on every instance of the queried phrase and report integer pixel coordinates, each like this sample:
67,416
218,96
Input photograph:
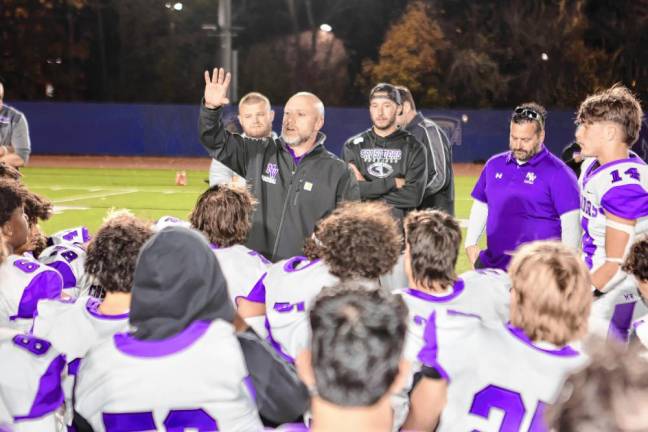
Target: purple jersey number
176,420
630,172
26,266
511,404
69,255
285,307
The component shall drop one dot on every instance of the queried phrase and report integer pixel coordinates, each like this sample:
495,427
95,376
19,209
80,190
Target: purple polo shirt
525,202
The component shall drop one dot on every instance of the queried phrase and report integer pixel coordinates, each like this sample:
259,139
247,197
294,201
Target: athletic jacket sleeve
367,189
347,188
232,150
433,137
280,396
411,195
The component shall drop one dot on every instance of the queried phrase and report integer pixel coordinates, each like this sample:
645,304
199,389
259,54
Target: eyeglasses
527,113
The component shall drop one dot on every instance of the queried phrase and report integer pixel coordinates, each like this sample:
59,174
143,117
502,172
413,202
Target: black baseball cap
390,92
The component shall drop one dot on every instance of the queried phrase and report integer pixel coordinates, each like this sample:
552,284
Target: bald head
308,98
303,118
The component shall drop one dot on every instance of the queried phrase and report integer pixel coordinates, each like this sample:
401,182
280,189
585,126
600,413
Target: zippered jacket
292,193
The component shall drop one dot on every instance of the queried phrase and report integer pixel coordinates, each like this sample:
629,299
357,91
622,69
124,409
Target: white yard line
94,196
61,209
177,190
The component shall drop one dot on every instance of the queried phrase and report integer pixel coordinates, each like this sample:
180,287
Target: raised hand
216,88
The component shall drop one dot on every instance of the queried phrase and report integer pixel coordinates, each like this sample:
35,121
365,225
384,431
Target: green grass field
83,196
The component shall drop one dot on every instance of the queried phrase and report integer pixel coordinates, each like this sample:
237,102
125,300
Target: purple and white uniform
498,380
77,235
288,289
73,328
23,282
167,221
525,202
640,328
619,188
482,292
196,379
69,260
30,383
242,268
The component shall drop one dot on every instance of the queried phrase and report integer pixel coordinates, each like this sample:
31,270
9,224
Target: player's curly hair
113,251
223,214
637,261
610,394
9,172
37,208
616,104
433,238
12,196
551,292
359,240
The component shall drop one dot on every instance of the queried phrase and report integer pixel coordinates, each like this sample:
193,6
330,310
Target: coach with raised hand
294,178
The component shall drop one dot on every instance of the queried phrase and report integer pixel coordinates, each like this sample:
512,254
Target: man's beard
525,155
294,142
391,123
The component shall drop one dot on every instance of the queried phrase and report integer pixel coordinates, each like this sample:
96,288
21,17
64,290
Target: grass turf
82,196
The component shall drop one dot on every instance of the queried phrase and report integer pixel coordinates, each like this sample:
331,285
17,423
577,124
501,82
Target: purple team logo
271,172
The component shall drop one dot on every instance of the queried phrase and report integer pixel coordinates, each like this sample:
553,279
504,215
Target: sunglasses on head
528,113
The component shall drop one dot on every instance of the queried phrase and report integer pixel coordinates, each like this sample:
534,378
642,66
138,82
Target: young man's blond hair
550,294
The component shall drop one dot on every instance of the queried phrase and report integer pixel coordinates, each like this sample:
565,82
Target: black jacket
291,197
439,192
380,160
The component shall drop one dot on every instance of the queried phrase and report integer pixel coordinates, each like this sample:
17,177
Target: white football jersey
640,328
73,328
23,282
77,235
242,268
614,312
483,292
619,188
69,260
498,380
290,289
167,221
30,383
195,380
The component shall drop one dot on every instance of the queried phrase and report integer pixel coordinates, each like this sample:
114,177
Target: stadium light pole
225,27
